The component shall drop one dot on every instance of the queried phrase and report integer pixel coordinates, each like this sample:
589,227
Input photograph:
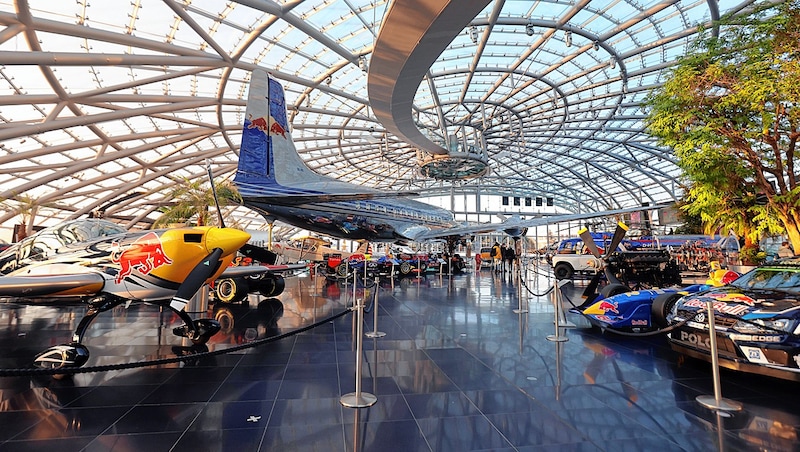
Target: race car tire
661,307
613,289
231,290
341,270
563,271
405,268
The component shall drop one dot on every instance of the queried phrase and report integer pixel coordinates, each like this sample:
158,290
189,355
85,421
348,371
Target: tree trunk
792,229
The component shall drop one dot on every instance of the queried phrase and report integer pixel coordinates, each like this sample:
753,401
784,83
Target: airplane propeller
200,330
586,236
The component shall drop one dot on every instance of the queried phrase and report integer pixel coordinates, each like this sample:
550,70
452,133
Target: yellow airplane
103,265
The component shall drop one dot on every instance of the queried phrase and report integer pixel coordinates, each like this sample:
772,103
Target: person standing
478,262
785,250
497,256
503,258
509,255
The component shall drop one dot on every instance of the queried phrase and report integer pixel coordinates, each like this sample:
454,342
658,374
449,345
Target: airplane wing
251,270
51,285
515,226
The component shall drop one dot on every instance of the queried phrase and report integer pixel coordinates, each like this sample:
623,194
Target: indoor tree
729,110
27,207
195,200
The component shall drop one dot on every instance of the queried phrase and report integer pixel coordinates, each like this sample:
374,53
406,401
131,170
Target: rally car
617,308
756,319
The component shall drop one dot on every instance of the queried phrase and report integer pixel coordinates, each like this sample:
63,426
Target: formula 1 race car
642,310
756,320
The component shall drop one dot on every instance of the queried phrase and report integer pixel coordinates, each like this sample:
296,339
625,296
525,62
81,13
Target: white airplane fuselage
274,181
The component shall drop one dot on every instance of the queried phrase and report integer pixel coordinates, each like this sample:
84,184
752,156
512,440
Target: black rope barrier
525,285
157,362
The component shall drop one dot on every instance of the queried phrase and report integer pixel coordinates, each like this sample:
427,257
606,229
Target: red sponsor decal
720,306
277,129
265,125
144,255
735,297
605,306
258,123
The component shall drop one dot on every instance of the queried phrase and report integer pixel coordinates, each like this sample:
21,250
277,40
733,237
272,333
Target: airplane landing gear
201,333
60,356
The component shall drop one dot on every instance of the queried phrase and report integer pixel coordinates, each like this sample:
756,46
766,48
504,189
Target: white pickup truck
639,268
571,259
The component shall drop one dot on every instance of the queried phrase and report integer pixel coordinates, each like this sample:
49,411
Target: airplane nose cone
228,239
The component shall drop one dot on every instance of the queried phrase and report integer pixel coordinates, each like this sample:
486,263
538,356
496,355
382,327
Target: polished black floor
457,370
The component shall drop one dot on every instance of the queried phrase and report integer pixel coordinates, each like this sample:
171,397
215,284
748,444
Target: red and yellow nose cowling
186,247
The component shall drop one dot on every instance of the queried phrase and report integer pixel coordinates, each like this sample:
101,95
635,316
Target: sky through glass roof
123,99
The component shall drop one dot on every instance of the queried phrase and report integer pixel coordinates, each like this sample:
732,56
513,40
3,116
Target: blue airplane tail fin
267,144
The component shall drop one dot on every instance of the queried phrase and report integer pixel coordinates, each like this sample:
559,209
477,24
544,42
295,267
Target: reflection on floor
457,370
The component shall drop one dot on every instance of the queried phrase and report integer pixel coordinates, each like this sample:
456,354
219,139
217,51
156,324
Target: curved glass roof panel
108,106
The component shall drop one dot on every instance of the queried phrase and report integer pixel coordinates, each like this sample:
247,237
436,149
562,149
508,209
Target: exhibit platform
458,369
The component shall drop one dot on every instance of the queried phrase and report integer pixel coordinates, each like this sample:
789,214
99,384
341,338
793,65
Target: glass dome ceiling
109,105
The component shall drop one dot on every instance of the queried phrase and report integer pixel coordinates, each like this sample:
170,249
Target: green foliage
27,207
729,110
194,200
752,255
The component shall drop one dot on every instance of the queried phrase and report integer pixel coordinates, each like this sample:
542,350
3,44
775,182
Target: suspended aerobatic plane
274,181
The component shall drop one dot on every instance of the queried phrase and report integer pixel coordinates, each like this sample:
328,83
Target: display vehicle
756,320
102,265
618,308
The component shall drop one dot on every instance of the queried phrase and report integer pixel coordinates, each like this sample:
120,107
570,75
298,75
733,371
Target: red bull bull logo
267,125
144,255
734,297
258,123
277,129
606,306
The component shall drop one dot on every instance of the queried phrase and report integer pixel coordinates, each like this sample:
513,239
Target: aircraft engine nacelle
269,285
235,290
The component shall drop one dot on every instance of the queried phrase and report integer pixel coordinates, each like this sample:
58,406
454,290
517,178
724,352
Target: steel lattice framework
107,106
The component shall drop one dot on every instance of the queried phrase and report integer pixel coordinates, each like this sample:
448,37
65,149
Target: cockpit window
84,230
49,240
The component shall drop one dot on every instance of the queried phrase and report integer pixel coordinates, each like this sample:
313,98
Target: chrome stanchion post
358,399
520,309
557,302
562,317
717,402
375,333
354,288
557,387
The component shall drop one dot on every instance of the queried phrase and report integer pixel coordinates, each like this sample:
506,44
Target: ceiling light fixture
596,45
529,29
568,38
